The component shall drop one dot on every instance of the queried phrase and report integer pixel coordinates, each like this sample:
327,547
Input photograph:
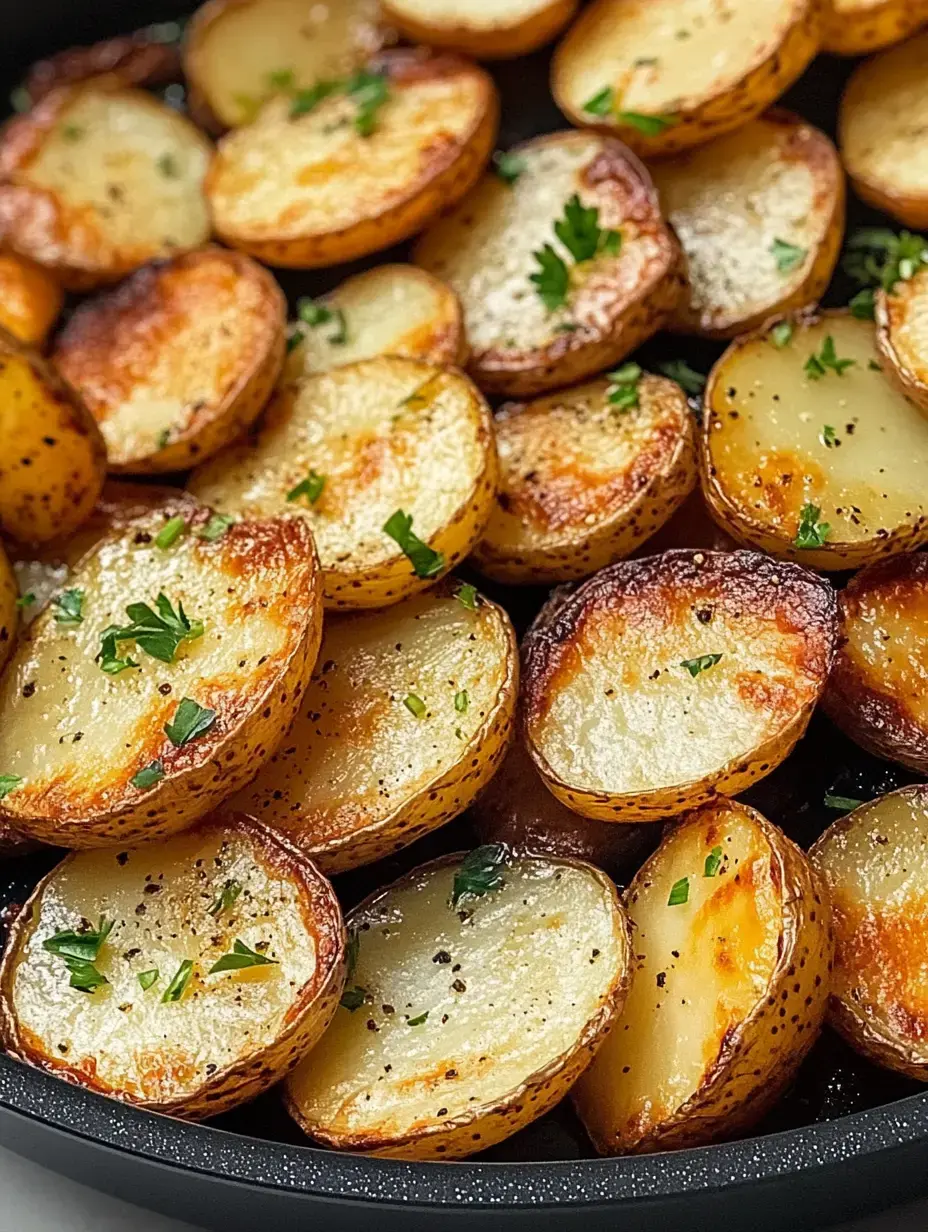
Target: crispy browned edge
880,25
855,699
196,780
310,1014
496,42
766,583
46,299
444,180
890,308
540,1091
803,894
134,60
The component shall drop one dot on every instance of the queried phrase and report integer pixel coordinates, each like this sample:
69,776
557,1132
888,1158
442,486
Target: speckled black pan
847,1138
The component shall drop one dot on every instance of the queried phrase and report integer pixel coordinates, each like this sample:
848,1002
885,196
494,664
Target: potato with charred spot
902,335
485,29
855,27
30,299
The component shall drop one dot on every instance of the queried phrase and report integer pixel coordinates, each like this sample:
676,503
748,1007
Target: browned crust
879,25
497,42
310,1014
890,311
133,60
30,299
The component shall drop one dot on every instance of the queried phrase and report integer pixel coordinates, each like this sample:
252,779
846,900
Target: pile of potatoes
257,582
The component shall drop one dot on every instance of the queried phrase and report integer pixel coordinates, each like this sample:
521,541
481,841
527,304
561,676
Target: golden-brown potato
487,29
108,979
808,451
388,310
760,215
873,862
733,948
30,299
193,640
902,335
665,75
359,447
9,607
359,170
179,360
406,718
661,682
501,240
138,59
239,53
881,131
584,480
53,461
471,1042
690,527
854,27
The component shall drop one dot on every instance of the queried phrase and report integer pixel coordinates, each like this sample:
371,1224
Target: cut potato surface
487,29
98,180
140,736
661,682
144,1017
179,360
854,27
820,462
486,250
238,53
30,299
388,310
882,125
902,335
484,1009
665,75
584,480
733,950
406,718
347,450
760,215
313,186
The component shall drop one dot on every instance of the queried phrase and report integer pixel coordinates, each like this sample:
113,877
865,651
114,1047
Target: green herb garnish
781,334
601,103
147,978
650,125
216,527
175,990
167,166
480,871
353,998
281,79
466,595
552,278
580,233
679,892
159,634
877,257
225,898
811,533
418,1020
787,256
307,100
863,305
313,313
8,783
71,132
509,166
148,776
713,862
689,380
425,562
190,721
80,951
369,92
26,600
461,701
170,532
845,804
700,664
816,366
310,487
240,958
69,606
623,387
415,705
827,436
294,340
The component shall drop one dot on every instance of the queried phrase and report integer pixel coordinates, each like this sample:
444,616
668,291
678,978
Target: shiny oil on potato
406,718
733,949
490,982
487,29
159,679
109,979
355,449
902,335
661,682
179,360
855,27
551,292
584,480
30,299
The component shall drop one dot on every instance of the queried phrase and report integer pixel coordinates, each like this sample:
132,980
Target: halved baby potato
367,165
483,987
659,683
760,215
109,977
670,74
881,132
179,360
355,449
874,864
487,29
160,679
584,480
30,299
53,461
809,451
855,27
239,53
733,948
536,318
98,179
902,335
406,718
388,310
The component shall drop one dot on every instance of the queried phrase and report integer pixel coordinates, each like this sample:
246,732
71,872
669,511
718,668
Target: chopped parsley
175,990
787,256
781,334
863,304
26,600
190,721
509,166
307,100
827,436
167,166
294,340
148,776
216,527
689,380
679,892
240,958
163,438
580,233
159,634
313,313
461,701
552,278
170,532
8,783
812,533
282,79
713,862
601,103
700,664
147,978
480,871
368,91
80,951
352,999
844,804
418,1020
415,705
69,604
817,365
311,487
426,562
623,387
878,257
466,595
225,898
650,125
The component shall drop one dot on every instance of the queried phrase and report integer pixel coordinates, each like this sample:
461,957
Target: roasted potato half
584,479
53,461
881,131
109,976
30,299
902,335
179,360
240,53
353,449
733,949
486,1005
809,451
367,166
388,310
873,862
537,316
659,683
691,526
407,717
194,640
854,27
670,74
760,215
487,29
98,179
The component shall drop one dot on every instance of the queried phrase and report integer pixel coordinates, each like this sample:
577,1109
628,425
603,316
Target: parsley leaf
167,166
863,305
179,982
216,527
8,783
418,1020
159,633
294,340
466,595
689,380
650,125
70,605
80,950
310,487
461,701
787,256
225,898
509,166
551,279
845,804
480,871
781,334
147,978
580,233
313,313
701,664
282,79
170,532
352,999
25,600
415,705
811,533
827,436
307,100
713,862
623,387
601,103
425,562
877,256
190,721
369,91
240,958
148,776
679,892
816,366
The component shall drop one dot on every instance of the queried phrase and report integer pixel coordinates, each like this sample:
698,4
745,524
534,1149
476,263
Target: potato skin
902,338
9,612
498,40
133,60
850,31
30,299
